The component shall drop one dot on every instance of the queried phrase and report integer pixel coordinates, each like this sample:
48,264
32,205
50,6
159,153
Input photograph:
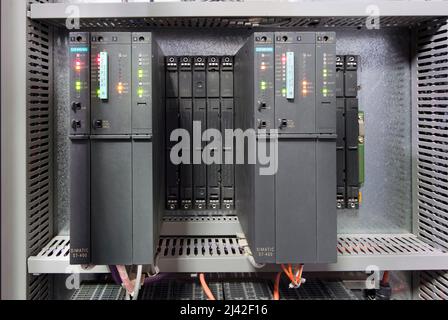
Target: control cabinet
115,177
285,90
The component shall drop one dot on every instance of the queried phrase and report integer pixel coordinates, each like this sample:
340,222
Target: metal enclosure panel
199,83
158,145
186,169
264,80
295,82
340,153
264,242
79,43
172,172
227,170
111,183
200,170
351,76
430,91
213,77
226,77
295,202
351,134
80,251
143,210
172,77
213,170
141,73
172,120
340,65
185,78
341,13
14,121
326,193
113,114
326,82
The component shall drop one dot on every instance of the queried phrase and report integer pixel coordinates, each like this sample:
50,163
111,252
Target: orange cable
277,286
386,277
205,287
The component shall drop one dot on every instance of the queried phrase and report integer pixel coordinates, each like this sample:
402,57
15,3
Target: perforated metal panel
179,290
199,247
365,245
433,285
99,292
39,147
238,22
315,289
432,128
431,140
247,290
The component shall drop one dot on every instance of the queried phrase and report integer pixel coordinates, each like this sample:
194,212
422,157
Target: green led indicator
140,73
98,92
284,91
263,85
325,91
140,92
78,85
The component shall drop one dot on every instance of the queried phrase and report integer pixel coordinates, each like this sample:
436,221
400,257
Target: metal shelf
325,13
222,253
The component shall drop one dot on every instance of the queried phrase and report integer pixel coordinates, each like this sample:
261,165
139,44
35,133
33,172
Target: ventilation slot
39,153
432,132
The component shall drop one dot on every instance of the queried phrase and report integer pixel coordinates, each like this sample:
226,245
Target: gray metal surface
237,14
13,224
173,289
54,258
250,289
431,126
111,196
242,287
204,225
39,148
430,91
433,285
99,292
385,97
218,254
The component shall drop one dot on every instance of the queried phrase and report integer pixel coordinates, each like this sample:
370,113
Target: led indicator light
140,92
284,92
140,73
120,88
98,92
104,75
78,85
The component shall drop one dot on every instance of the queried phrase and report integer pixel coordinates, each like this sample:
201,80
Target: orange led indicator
120,88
